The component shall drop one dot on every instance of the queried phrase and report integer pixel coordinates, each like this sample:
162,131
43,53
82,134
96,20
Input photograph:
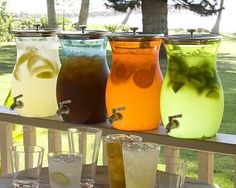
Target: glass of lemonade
65,169
115,157
140,164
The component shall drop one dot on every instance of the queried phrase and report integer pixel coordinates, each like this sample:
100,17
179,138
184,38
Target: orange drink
135,82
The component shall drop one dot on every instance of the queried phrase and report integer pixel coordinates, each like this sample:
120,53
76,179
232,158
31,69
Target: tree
216,28
155,12
51,14
84,10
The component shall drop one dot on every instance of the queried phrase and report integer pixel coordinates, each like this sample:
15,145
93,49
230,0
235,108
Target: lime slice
60,178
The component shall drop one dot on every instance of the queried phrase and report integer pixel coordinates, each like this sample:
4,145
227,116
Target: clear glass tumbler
26,164
86,140
65,169
140,162
115,157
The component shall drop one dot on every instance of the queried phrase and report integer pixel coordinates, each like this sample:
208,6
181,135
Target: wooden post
29,135
29,138
206,167
5,144
171,151
54,140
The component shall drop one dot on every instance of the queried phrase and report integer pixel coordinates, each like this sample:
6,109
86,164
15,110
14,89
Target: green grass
224,165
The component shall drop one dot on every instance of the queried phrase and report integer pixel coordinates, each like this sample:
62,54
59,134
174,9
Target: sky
175,20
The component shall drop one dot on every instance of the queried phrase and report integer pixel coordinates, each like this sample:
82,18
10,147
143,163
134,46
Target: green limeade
192,88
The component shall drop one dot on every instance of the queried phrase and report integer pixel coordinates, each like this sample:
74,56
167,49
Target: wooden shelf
221,143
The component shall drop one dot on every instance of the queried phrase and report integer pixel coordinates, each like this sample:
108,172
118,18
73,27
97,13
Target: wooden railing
221,143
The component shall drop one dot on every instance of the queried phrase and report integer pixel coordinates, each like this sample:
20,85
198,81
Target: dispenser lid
192,39
131,36
35,33
88,34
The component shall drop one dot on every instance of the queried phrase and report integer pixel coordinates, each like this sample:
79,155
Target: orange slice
143,78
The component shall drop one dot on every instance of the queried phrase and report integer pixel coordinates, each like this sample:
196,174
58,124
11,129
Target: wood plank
206,167
221,143
5,144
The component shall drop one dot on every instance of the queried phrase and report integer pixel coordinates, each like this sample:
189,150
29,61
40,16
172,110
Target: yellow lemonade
34,76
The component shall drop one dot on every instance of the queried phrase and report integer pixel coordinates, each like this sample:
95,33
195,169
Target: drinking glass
26,164
86,140
140,162
171,172
65,169
115,157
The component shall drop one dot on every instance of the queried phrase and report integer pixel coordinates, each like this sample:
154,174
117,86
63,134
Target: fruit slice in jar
43,72
143,78
60,178
120,73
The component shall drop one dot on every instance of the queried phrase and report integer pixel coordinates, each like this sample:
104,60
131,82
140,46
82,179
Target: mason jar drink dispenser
133,87
82,79
35,73
192,100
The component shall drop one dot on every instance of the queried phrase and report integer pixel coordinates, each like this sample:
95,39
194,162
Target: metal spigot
173,123
82,27
16,103
134,29
116,115
37,26
63,107
191,31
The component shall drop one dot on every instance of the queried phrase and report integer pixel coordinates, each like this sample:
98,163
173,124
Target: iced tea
83,80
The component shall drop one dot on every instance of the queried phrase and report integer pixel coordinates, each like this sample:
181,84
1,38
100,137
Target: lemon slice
60,178
43,72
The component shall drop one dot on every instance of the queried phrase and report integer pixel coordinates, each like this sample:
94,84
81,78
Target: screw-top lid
35,32
85,35
192,38
131,36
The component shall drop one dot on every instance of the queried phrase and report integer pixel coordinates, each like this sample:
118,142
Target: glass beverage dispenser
35,73
133,87
82,79
192,100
